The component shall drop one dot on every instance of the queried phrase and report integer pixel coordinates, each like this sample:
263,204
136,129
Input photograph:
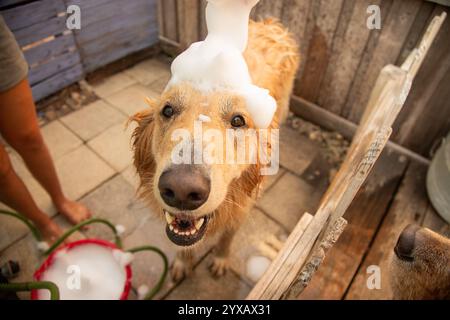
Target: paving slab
112,84
59,139
114,146
253,239
115,201
131,176
296,151
131,100
149,71
201,285
288,199
93,119
81,171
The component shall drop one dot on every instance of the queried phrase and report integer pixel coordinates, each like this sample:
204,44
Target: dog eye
238,121
167,111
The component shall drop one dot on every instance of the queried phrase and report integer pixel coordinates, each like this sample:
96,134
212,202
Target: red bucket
40,274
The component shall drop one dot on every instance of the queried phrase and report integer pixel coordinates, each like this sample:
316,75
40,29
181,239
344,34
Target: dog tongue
217,62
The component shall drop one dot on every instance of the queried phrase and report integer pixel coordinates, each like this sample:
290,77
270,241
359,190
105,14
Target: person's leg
19,127
15,195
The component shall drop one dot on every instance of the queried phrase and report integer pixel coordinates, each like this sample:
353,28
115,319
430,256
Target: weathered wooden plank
344,61
416,31
269,9
171,22
111,28
295,18
40,30
116,11
87,4
57,82
319,50
364,216
6,4
203,31
428,102
118,50
435,222
121,36
409,206
53,66
46,50
394,32
188,19
31,13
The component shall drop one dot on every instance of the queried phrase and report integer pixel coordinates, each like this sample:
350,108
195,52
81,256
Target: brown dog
420,266
199,200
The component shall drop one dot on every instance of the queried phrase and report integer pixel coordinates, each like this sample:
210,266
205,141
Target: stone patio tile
148,266
149,71
114,146
113,84
81,171
253,233
115,201
93,119
201,285
24,252
296,151
288,199
131,100
130,175
11,229
59,139
270,180
159,85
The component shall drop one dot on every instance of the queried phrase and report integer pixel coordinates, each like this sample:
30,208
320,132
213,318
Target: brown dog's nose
185,187
405,244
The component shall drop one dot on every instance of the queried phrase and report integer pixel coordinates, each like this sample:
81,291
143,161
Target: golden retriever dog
420,265
201,200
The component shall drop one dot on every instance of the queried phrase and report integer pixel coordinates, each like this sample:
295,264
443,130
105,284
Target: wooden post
306,246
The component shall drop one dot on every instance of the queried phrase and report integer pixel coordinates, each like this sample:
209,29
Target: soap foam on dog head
217,62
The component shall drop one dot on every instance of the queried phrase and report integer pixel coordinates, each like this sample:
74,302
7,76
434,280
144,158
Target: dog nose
405,244
185,187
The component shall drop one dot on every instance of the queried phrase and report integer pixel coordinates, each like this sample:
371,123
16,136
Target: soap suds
256,266
217,62
102,277
120,229
42,246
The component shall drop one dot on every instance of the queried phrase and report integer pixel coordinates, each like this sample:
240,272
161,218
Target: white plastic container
438,180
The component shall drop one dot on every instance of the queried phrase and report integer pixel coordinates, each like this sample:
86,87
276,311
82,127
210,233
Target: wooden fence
57,56
341,58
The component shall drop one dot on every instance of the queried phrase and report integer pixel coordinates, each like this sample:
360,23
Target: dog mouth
184,230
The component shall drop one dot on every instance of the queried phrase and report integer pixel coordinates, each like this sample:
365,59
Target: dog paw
219,266
180,269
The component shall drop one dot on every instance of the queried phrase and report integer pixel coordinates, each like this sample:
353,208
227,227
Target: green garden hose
28,286
150,295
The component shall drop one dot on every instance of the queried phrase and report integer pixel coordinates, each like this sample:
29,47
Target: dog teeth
199,223
170,227
169,218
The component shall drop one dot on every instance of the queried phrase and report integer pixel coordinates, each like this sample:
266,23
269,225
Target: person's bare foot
74,211
50,231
